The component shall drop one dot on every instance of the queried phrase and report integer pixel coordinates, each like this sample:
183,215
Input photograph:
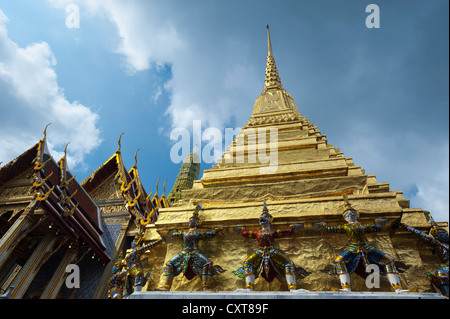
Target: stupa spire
269,44
273,100
272,76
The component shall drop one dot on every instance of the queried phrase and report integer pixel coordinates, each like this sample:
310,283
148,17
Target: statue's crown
347,205
265,211
196,211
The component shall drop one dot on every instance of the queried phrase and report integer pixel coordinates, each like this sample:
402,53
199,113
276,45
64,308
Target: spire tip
269,44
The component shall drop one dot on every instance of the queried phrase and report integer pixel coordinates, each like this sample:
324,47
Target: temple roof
113,165
131,188
58,194
102,173
140,205
18,165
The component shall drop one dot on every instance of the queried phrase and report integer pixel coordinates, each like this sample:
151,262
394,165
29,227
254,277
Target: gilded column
16,232
58,278
32,266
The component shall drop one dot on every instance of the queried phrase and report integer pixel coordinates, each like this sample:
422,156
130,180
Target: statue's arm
331,229
210,233
246,233
290,230
151,245
372,228
429,239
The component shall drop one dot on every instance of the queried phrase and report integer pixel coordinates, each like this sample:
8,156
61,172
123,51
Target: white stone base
302,294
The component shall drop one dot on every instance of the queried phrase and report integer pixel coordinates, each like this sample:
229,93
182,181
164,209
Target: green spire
189,172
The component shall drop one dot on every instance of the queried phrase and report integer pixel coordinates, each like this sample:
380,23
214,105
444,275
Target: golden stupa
281,157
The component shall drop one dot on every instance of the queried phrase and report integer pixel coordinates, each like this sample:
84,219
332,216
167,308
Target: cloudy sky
147,67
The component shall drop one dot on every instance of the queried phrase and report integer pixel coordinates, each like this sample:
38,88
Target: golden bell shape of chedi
280,157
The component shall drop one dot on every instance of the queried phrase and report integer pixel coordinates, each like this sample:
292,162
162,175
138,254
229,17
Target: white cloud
131,21
31,97
406,160
158,92
146,35
157,33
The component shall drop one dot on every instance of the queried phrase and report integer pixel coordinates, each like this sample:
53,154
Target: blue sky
146,67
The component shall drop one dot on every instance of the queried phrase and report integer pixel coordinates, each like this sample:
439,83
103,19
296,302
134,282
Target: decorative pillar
32,266
16,232
58,278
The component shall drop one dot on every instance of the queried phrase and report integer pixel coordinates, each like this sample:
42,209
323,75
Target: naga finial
157,182
164,187
45,130
65,149
135,157
118,142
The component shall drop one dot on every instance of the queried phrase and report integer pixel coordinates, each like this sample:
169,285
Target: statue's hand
297,226
381,221
238,229
319,225
396,225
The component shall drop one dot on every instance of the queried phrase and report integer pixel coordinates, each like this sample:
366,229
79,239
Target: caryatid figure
438,239
267,260
358,250
117,281
135,261
190,261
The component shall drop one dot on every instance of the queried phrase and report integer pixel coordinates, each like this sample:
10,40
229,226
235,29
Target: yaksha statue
358,251
117,282
267,260
135,261
438,239
189,260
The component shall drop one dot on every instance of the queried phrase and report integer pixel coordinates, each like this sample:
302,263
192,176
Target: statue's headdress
347,206
117,266
437,232
265,211
197,209
137,239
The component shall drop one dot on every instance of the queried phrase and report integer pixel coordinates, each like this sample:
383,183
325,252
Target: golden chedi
280,157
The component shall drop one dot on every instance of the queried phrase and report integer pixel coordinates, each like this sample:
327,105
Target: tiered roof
58,193
130,188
